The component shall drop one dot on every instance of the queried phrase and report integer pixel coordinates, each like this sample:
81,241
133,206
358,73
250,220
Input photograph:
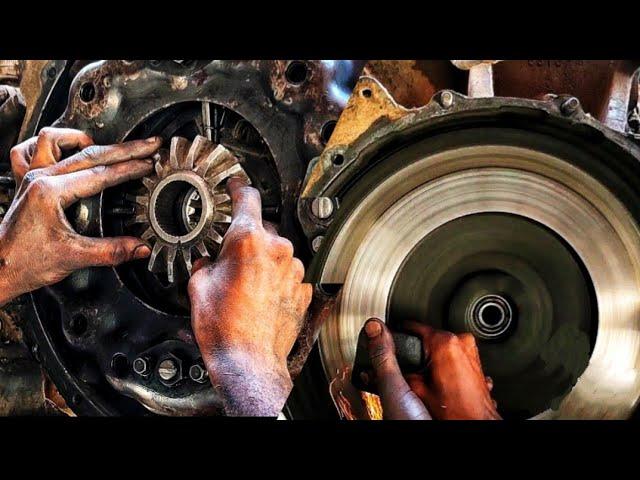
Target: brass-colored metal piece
369,104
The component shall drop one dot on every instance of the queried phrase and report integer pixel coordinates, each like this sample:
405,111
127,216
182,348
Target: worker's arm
247,309
451,387
38,245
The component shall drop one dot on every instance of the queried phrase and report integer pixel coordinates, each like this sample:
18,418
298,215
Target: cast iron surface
273,115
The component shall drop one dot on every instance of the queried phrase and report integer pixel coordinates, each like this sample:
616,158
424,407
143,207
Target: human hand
38,245
453,385
247,309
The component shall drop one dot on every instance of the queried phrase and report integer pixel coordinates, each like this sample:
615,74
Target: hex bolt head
322,207
570,105
316,243
167,369
141,366
198,374
446,99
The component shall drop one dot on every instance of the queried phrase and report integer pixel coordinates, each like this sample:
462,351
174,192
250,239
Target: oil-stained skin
38,246
247,308
452,386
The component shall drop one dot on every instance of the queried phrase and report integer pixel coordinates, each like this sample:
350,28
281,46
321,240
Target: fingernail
141,251
152,139
373,328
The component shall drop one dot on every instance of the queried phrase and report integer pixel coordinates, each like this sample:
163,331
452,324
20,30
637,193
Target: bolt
570,106
141,366
322,207
316,242
167,369
198,374
446,99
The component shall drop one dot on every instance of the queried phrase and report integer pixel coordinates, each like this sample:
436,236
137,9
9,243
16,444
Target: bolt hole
327,130
87,92
366,92
296,72
78,324
119,365
338,160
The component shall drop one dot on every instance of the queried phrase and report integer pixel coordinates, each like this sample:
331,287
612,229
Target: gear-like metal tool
187,206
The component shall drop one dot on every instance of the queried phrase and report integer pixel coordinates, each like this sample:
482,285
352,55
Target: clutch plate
499,221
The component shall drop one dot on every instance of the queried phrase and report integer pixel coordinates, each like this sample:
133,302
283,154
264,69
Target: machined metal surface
415,178
187,209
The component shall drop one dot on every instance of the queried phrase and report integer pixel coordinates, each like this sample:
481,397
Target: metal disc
518,289
596,230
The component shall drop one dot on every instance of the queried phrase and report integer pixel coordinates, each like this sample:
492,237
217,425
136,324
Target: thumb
399,402
109,252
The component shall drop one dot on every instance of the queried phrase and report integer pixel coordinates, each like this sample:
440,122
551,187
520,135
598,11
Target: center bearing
489,317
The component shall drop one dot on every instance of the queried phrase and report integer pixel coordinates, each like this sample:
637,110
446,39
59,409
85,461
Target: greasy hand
38,246
453,386
247,309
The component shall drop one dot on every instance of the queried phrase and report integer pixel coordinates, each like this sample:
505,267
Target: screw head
316,243
446,99
570,105
141,366
198,374
322,207
167,369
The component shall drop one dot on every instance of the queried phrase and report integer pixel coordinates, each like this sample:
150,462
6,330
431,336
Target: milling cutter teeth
186,255
206,166
235,169
199,147
162,165
159,169
141,200
147,182
157,248
221,218
178,151
202,249
148,234
217,156
215,236
171,257
221,198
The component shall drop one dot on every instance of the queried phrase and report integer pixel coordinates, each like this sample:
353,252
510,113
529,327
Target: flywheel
507,218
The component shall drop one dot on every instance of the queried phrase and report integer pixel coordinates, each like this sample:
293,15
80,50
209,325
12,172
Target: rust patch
412,83
591,81
369,102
